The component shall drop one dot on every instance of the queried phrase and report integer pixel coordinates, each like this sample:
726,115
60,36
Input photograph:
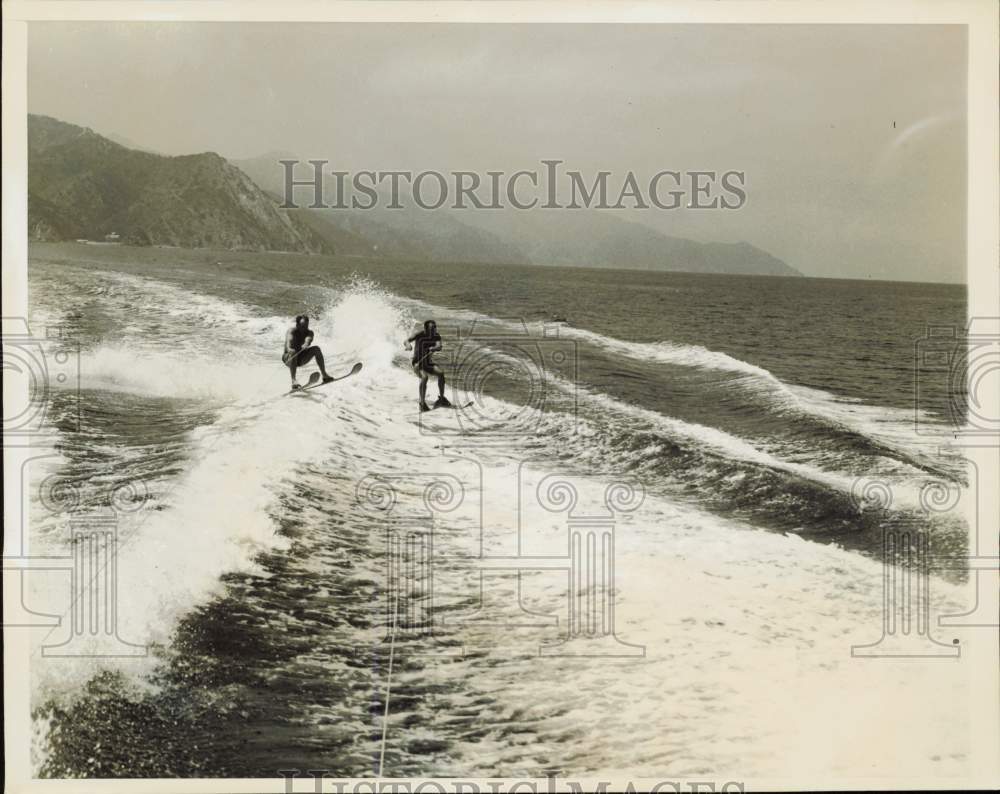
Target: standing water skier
425,344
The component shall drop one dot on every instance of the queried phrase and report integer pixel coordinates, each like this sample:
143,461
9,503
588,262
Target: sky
852,137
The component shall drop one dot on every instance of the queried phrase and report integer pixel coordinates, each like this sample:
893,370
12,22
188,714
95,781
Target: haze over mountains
84,185
407,233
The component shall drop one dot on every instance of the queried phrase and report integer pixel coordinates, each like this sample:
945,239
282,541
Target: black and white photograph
496,397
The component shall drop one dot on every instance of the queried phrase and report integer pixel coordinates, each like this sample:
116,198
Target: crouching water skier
425,344
300,350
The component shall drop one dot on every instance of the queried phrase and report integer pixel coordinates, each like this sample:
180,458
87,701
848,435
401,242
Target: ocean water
744,425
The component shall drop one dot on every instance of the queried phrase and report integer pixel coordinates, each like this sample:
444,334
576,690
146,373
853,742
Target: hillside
83,185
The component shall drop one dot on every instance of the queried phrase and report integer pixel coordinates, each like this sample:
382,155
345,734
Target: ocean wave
822,423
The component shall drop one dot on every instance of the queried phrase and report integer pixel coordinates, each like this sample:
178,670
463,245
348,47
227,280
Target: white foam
745,631
747,662
162,373
220,514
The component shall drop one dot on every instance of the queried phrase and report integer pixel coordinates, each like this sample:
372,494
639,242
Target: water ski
314,381
453,406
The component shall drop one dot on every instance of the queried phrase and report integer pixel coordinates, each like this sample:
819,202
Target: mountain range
84,185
